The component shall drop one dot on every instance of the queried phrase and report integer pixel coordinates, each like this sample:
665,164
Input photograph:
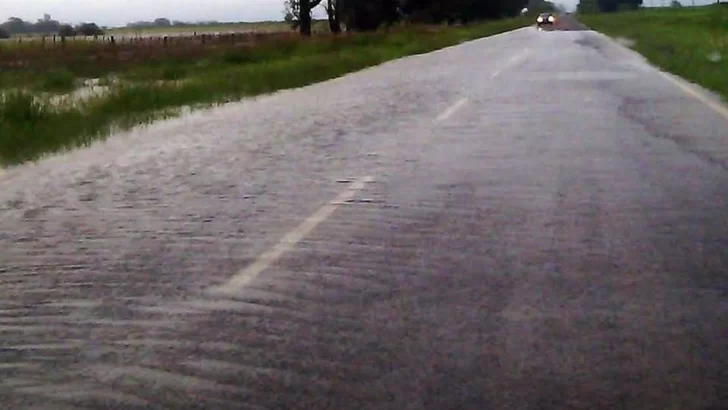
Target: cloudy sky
120,12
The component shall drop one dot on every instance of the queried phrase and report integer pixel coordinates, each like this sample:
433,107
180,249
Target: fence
56,51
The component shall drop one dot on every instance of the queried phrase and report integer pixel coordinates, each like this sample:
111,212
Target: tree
366,15
89,29
47,25
298,14
292,11
66,30
16,25
363,15
587,6
438,11
305,7
333,11
675,4
4,34
162,22
540,6
607,6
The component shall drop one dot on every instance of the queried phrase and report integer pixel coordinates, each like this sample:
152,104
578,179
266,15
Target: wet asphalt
531,221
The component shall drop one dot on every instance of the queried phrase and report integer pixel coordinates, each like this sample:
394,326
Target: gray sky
119,12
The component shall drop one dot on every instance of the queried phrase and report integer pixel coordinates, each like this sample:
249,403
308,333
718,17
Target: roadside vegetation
691,42
158,84
212,27
63,86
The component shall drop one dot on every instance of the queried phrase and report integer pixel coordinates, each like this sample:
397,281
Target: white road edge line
681,83
268,258
450,111
716,106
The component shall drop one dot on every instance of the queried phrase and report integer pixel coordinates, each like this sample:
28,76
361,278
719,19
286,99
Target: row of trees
540,6
162,22
47,25
363,15
607,6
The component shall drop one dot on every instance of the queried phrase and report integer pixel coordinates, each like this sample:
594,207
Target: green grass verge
30,127
691,42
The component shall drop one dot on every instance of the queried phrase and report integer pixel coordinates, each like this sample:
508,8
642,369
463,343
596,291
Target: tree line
365,15
607,6
165,22
49,26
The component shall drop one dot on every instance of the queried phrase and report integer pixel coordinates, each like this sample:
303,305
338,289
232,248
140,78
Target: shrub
66,31
89,29
20,108
59,80
174,73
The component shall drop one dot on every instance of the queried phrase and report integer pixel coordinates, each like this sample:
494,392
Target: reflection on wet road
531,221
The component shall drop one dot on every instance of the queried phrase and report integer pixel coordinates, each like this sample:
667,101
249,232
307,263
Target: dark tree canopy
438,11
89,29
369,14
162,22
363,15
608,6
46,25
16,25
66,30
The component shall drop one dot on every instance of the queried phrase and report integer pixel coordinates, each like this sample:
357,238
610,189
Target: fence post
164,41
113,40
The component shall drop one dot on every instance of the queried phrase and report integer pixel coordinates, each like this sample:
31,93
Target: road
531,221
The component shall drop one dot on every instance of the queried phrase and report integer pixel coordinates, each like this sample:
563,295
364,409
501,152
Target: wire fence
45,52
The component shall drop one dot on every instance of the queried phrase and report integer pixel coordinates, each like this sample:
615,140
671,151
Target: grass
31,126
691,42
266,26
58,81
50,66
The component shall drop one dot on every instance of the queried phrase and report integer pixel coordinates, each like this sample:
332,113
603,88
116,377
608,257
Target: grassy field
264,27
268,26
59,67
31,125
691,42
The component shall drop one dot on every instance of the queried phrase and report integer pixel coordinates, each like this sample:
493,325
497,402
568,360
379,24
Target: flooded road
531,221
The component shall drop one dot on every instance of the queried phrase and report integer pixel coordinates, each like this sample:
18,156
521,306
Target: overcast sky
120,12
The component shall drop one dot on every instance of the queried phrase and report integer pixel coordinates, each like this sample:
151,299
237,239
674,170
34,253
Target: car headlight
540,20
551,19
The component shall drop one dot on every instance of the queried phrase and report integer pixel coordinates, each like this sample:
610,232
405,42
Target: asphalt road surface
536,220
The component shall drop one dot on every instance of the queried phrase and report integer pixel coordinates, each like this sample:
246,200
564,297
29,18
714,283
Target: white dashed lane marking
264,261
450,111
